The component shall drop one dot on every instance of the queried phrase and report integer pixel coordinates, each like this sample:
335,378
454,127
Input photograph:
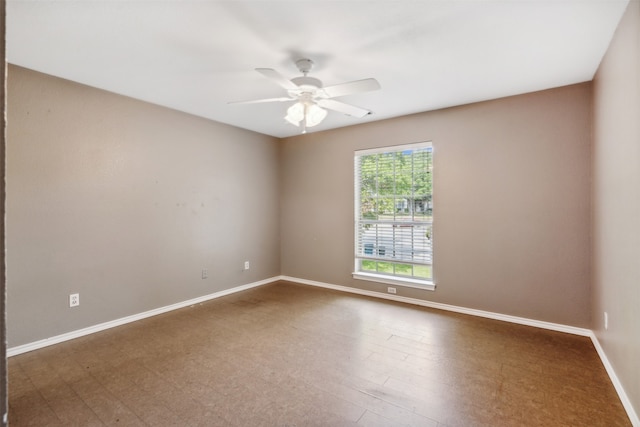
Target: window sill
392,280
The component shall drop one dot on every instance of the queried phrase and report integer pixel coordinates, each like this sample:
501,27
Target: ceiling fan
312,100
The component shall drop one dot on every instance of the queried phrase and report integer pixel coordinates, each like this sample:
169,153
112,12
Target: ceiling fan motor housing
304,65
306,82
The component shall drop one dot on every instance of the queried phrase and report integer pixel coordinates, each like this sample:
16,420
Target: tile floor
293,355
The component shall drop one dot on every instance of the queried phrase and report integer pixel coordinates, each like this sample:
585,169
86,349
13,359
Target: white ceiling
196,56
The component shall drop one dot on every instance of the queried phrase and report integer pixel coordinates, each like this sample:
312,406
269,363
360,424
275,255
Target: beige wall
616,203
511,203
125,203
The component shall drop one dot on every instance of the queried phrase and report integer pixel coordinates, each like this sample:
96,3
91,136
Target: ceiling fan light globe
295,114
315,115
293,122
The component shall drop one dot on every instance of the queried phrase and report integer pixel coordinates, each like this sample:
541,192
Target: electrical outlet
74,300
205,273
246,265
606,321
391,290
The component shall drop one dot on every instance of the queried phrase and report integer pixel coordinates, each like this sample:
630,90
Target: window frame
390,278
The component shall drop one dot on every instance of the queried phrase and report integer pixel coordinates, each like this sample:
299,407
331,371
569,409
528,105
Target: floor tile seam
449,387
212,408
191,400
434,358
31,388
357,422
378,358
220,414
346,371
151,402
504,397
321,329
311,411
411,409
410,371
388,349
172,383
424,346
42,398
158,376
113,397
11,382
366,339
333,395
505,380
283,379
304,381
33,367
97,417
389,420
55,413
79,397
304,401
88,367
130,386
416,338
34,385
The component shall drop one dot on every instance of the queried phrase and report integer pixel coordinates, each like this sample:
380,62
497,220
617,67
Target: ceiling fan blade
341,107
260,101
277,78
357,86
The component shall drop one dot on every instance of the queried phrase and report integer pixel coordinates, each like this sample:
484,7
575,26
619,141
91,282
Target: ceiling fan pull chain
304,119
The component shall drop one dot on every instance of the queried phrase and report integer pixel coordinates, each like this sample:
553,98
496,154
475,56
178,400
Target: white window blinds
394,211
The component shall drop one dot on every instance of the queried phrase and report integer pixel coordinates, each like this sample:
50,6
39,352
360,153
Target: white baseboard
480,313
633,417
13,351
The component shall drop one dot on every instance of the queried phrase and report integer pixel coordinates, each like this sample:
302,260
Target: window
393,215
